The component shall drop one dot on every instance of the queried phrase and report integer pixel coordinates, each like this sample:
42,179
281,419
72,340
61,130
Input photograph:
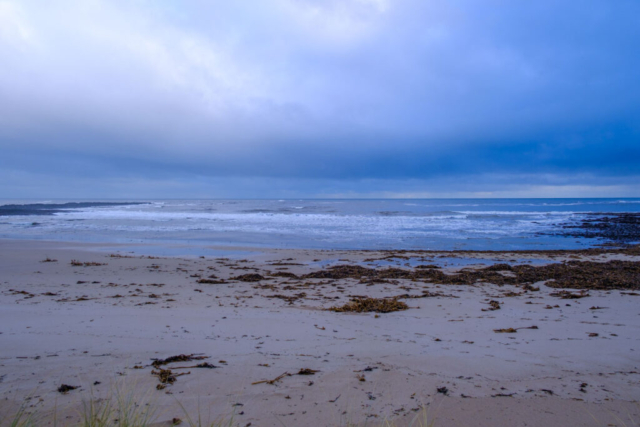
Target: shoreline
103,318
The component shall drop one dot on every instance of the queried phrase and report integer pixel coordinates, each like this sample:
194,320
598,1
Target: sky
310,98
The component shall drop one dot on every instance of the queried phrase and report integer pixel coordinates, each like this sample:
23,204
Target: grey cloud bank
313,99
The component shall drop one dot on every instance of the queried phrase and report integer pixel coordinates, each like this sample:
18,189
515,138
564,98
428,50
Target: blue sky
308,98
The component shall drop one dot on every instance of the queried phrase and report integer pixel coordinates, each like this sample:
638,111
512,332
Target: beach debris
493,305
251,277
28,294
165,376
285,274
176,421
569,295
513,330
76,263
179,358
47,259
65,388
120,256
443,390
289,298
425,294
200,365
367,369
593,334
361,378
273,381
511,294
614,274
303,371
336,399
211,281
379,305
506,331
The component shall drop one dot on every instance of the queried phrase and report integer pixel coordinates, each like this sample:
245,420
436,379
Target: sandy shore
103,322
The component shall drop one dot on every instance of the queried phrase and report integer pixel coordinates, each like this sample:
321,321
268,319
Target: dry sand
80,325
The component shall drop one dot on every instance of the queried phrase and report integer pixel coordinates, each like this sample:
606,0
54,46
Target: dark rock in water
612,227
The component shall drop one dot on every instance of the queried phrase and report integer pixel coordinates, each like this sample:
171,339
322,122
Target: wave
53,208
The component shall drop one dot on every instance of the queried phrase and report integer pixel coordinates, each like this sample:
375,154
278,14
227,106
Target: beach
470,353
361,213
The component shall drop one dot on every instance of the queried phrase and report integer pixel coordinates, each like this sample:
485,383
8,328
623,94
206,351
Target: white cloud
315,88
15,30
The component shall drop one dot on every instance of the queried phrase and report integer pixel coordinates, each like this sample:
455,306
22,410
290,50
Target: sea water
438,224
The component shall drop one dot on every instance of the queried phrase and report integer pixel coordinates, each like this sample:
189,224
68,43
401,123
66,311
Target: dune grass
126,409
122,406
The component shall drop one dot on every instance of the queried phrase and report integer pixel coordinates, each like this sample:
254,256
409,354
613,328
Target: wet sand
106,318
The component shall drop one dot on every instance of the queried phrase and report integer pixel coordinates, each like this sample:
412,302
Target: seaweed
179,358
289,298
513,330
200,365
64,388
251,277
493,305
76,263
211,281
284,274
569,295
303,371
165,376
613,274
379,305
273,381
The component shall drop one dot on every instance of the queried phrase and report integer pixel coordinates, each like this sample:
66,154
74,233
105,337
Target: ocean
189,226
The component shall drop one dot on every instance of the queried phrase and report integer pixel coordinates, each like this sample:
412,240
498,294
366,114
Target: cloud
339,91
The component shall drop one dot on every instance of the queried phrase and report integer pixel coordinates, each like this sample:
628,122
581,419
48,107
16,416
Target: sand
105,323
